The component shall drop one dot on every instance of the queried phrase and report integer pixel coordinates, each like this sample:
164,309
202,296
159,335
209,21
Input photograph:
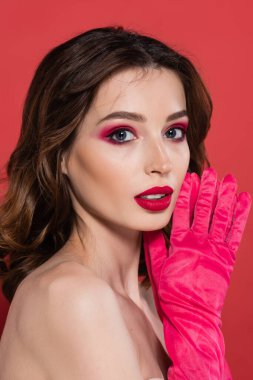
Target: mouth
155,199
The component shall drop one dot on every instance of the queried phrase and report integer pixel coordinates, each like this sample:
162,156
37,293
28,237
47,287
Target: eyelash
128,130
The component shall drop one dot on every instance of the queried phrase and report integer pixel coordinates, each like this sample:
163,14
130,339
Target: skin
105,177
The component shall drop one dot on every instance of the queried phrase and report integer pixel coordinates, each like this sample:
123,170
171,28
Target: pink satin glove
190,275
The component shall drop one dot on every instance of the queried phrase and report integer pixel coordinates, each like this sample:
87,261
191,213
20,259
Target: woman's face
113,160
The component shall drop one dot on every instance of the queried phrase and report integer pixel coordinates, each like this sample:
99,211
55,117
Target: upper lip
157,190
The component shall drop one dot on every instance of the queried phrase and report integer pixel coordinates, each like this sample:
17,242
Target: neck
111,252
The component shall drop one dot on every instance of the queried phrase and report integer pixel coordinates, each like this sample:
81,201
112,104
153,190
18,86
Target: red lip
154,204
157,190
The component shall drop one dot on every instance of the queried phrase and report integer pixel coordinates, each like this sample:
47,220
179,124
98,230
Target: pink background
217,36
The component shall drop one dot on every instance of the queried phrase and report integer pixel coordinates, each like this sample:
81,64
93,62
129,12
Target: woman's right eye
122,134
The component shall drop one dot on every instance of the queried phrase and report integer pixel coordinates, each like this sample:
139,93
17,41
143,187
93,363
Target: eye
121,136
176,133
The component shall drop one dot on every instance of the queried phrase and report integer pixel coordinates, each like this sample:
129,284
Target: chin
155,224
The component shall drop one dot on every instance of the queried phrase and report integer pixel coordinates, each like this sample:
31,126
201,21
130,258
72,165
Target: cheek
186,160
96,174
182,161
181,167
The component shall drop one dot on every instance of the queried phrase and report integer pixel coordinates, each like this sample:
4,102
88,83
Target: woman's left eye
122,134
176,133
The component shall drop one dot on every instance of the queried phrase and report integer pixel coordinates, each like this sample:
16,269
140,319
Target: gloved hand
190,273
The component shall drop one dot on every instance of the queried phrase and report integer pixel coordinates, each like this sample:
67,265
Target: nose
158,159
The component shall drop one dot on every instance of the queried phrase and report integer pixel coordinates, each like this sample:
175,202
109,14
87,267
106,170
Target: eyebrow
138,117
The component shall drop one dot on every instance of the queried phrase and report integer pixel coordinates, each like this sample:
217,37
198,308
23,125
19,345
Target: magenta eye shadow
181,124
110,129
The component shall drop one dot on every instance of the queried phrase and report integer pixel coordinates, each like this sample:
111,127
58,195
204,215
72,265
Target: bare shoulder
60,288
48,277
70,313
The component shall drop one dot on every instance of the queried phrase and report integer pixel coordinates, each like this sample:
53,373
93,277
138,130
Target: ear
63,164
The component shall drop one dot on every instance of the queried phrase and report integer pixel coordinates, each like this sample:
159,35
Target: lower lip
154,204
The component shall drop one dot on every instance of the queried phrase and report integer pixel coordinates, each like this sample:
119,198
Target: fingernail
247,197
195,176
209,171
229,178
187,176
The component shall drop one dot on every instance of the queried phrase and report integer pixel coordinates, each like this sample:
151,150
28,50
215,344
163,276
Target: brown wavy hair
36,214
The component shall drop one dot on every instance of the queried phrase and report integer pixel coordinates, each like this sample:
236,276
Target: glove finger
203,207
230,218
240,216
155,254
181,213
194,194
214,203
223,210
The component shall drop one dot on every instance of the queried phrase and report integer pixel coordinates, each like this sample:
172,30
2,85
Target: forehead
136,84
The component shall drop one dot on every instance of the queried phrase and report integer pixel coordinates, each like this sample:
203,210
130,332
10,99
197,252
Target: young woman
111,145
